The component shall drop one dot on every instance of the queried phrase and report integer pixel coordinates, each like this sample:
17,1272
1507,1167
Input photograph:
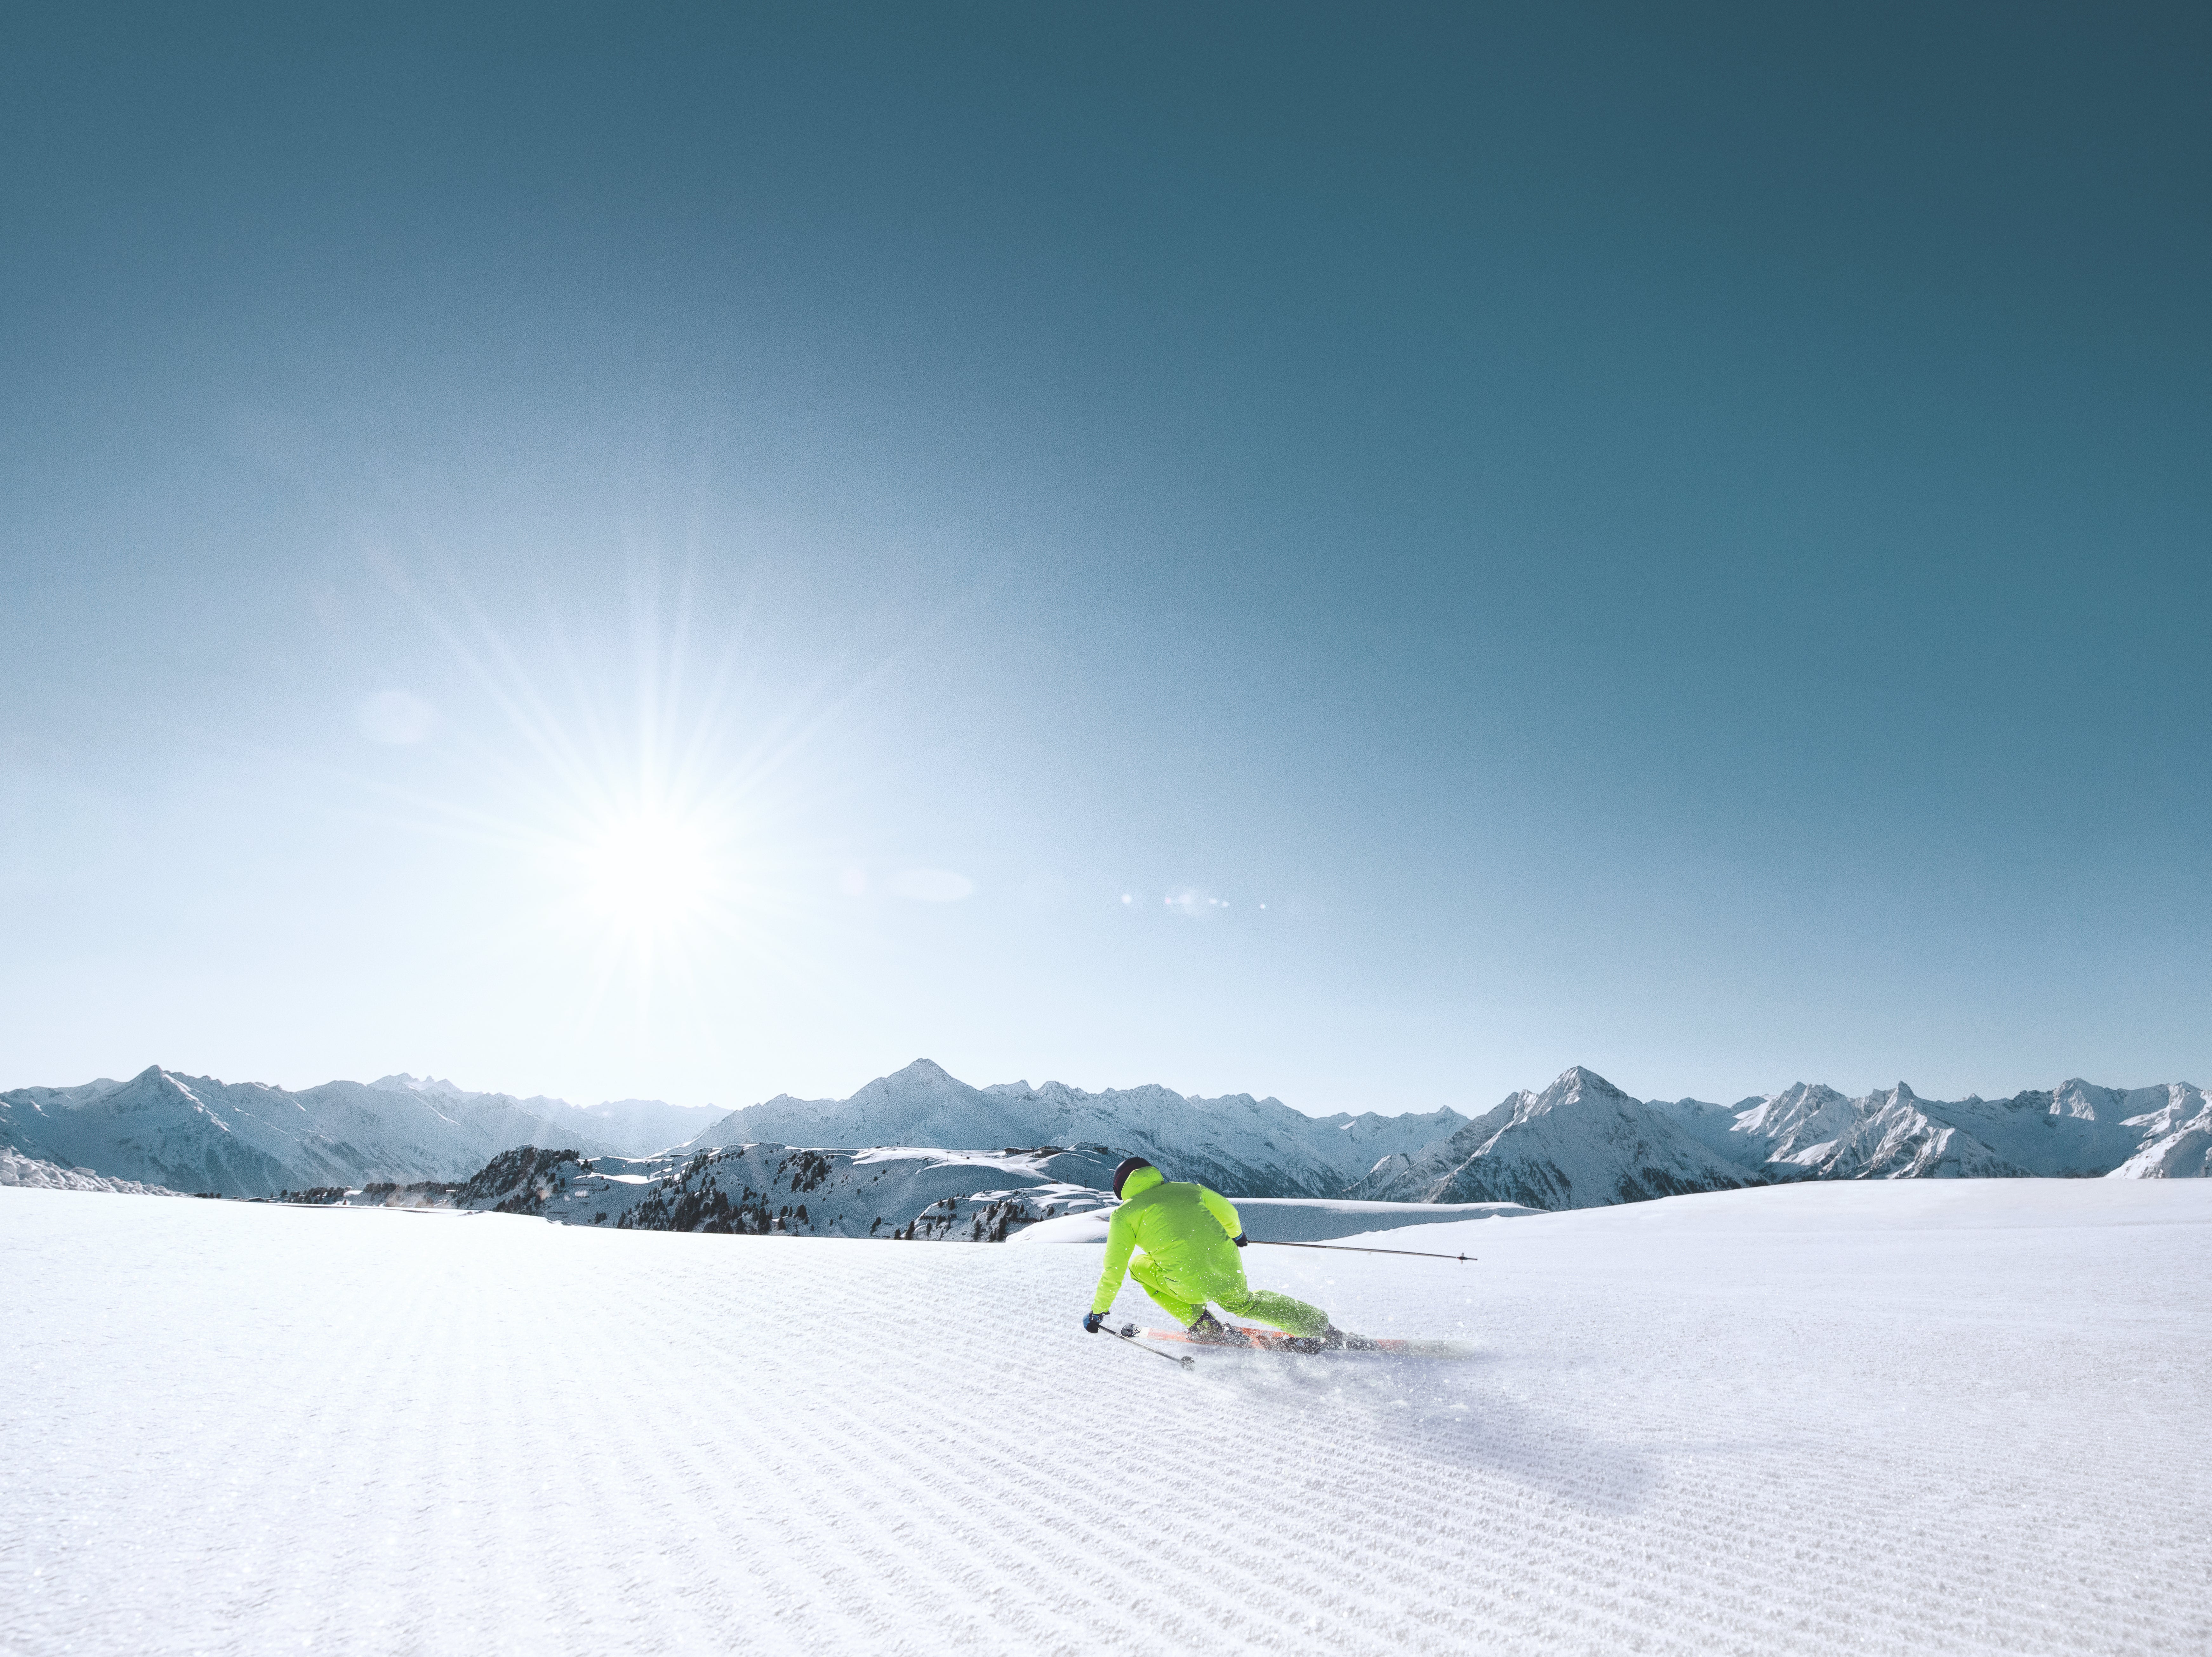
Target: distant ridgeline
947,1164
1583,1144
244,1139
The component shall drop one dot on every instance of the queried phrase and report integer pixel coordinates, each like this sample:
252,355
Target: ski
1273,1340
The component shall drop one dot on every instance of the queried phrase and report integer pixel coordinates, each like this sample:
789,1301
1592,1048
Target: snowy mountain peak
1578,1081
1579,1143
1812,1094
1799,1122
428,1087
924,1080
154,1089
1576,1085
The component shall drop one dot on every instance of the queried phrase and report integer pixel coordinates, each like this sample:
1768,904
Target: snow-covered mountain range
1252,1147
246,1139
1580,1143
634,1127
2076,1130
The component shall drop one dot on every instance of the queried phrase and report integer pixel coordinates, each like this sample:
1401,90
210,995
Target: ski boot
1213,1332
1330,1339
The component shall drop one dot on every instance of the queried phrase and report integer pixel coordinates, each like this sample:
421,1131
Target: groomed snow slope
1957,1416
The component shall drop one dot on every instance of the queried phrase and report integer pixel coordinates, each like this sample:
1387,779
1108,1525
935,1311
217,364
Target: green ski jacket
1186,1227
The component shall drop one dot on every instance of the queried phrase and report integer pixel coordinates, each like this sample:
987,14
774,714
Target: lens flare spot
650,873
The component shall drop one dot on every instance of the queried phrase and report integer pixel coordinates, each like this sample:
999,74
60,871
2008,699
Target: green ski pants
1183,1296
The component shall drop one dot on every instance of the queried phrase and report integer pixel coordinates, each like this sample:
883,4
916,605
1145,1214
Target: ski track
1868,1418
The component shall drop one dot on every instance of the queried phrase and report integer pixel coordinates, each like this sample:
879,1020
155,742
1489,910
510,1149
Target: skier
1189,1237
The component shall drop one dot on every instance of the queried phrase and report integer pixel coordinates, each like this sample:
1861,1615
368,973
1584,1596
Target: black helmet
1130,1166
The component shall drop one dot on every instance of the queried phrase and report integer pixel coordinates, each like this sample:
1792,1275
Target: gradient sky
1362,554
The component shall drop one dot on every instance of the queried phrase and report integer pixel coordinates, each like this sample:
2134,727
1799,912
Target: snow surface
1956,1416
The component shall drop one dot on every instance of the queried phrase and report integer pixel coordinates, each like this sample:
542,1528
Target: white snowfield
1956,1416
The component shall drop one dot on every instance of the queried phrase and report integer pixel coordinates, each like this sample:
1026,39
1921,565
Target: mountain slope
2175,1139
16,1169
1580,1143
1245,1146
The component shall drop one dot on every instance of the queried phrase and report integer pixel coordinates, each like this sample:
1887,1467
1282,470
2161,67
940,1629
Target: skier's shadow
1443,1412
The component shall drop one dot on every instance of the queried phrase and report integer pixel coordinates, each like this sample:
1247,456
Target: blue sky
699,555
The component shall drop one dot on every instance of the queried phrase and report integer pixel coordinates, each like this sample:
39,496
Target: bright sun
649,874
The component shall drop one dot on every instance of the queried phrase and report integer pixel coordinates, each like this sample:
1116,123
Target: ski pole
1334,1248
1182,1362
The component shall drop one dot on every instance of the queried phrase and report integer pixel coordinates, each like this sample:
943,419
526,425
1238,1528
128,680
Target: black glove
1240,1240
1092,1322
